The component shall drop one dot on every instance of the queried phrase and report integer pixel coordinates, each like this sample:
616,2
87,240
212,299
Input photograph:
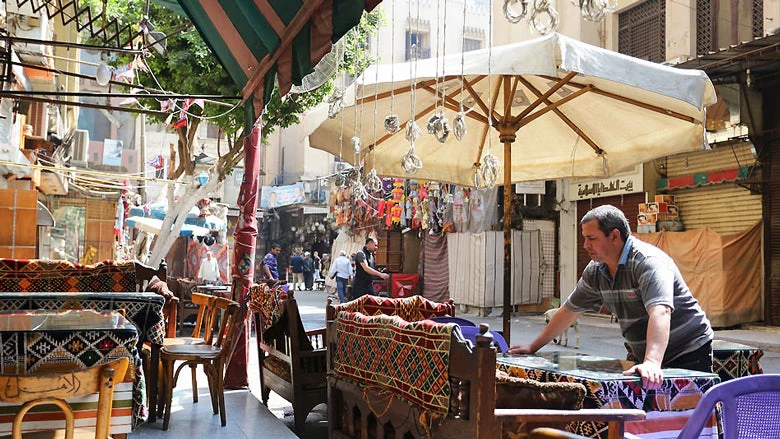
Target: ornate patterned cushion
268,302
411,309
19,275
522,393
408,359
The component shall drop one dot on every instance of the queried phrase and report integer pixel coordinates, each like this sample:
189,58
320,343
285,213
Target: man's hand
651,373
384,276
521,349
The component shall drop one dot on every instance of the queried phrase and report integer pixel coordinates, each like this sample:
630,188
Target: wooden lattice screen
707,26
642,31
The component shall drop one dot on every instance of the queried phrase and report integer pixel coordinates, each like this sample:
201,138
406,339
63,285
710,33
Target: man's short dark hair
609,218
370,240
275,245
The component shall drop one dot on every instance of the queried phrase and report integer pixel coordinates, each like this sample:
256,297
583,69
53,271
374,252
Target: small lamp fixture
104,73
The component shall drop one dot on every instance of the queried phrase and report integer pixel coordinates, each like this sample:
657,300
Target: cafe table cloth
38,341
606,387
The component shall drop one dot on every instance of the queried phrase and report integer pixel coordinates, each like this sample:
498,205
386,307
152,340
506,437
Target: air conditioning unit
79,147
339,167
29,23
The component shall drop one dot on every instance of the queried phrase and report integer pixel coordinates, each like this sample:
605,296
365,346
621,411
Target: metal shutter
726,208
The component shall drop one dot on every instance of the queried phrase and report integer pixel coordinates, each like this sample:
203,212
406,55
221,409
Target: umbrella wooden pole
507,139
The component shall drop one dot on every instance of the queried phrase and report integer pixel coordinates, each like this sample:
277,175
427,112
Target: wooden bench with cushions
292,360
390,378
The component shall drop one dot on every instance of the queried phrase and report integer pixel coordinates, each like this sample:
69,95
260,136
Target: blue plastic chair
750,408
470,333
457,320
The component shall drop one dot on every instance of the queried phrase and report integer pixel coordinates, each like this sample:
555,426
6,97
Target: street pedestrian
365,270
341,270
659,317
296,262
208,272
317,265
308,271
271,264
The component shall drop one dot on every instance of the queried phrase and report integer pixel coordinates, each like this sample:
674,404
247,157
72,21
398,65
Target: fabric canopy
153,226
722,271
255,39
576,110
159,210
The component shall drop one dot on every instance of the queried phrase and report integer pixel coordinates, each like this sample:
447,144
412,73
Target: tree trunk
177,215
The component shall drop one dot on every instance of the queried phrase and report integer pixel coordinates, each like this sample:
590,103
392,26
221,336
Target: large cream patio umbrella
560,107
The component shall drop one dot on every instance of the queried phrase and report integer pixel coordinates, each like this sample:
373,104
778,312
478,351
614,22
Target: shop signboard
620,184
277,196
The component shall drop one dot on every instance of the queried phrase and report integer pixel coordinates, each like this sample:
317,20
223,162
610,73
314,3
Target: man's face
600,247
276,250
371,246
208,256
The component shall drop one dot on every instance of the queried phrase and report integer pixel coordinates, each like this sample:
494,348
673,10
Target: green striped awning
255,39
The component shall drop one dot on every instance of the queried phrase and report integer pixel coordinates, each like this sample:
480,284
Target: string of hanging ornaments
543,18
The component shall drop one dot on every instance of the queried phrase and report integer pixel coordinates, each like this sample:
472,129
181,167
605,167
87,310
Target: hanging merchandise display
542,16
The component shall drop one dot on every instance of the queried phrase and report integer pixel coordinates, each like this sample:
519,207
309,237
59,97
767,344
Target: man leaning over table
639,283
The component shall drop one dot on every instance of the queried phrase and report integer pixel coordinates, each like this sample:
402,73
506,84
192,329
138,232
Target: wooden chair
211,353
53,388
204,326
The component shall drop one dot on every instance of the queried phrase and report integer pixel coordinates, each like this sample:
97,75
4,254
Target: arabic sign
277,196
625,183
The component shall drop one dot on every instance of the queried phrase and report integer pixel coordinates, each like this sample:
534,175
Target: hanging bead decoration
373,182
459,125
595,10
543,8
410,162
489,169
477,177
335,102
392,124
535,10
511,14
439,127
356,144
412,131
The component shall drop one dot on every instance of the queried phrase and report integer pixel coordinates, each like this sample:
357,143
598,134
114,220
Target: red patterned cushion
411,309
371,349
18,275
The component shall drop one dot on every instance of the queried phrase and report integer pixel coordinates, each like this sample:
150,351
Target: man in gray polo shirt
639,283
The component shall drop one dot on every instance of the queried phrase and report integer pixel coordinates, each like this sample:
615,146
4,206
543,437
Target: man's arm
560,321
267,271
373,272
658,327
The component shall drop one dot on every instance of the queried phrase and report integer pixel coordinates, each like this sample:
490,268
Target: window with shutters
642,31
719,25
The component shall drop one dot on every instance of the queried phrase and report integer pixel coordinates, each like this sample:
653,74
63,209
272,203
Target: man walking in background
297,270
341,269
271,264
308,271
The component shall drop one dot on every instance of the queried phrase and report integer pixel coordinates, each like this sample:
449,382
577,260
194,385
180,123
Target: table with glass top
39,341
735,360
667,408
